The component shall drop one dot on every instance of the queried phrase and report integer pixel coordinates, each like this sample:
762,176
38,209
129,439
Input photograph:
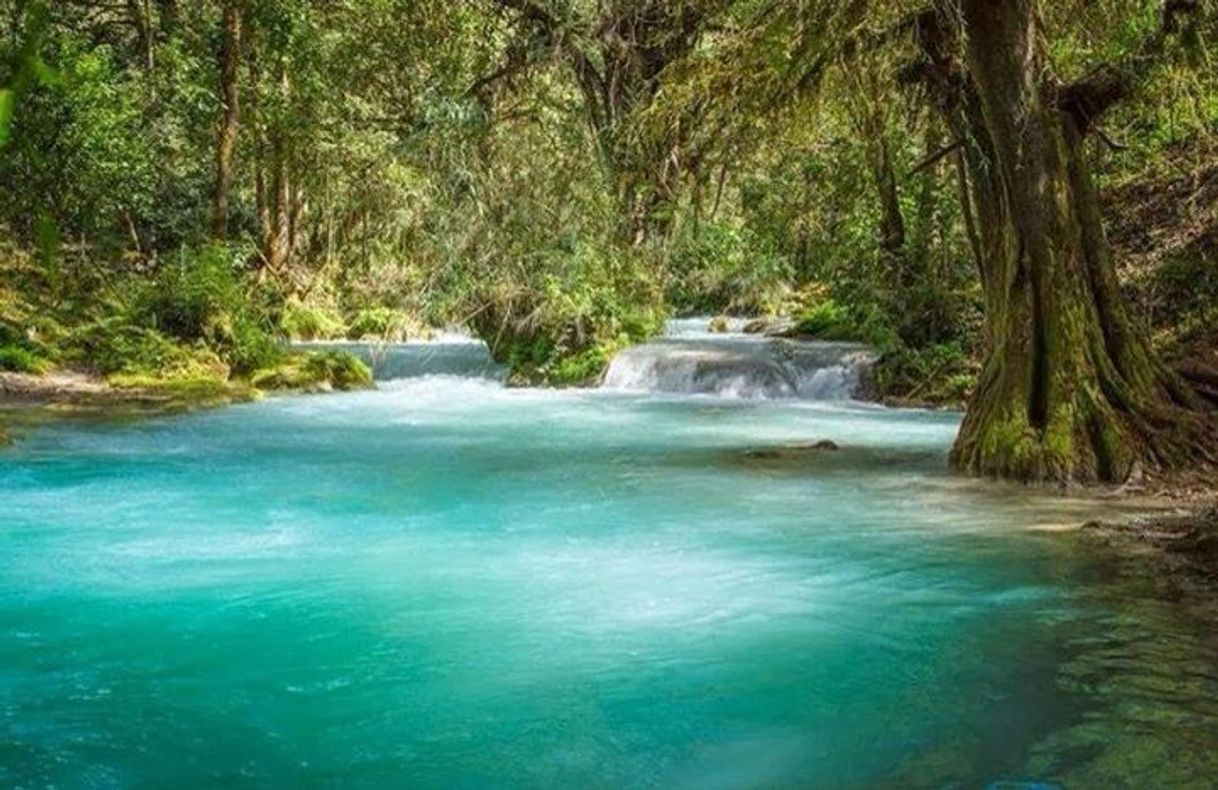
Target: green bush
563,331
316,371
718,268
827,320
383,323
201,297
17,359
941,374
309,322
113,347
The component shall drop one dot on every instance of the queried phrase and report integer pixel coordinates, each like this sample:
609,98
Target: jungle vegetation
1013,200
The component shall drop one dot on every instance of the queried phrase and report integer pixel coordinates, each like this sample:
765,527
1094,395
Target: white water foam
733,365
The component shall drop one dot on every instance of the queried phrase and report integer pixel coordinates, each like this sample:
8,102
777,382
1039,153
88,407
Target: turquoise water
448,584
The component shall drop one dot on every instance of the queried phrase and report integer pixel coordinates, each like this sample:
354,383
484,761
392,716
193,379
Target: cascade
693,361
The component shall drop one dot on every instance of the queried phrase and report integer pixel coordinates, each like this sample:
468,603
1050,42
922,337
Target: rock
768,326
718,324
757,326
50,387
792,451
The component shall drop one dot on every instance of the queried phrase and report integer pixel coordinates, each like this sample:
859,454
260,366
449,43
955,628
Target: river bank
27,399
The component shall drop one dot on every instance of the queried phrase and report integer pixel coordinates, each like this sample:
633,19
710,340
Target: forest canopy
1013,202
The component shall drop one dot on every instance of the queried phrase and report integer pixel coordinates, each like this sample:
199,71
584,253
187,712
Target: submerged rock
791,452
1182,546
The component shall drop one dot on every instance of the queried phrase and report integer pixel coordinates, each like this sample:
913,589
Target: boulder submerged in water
792,452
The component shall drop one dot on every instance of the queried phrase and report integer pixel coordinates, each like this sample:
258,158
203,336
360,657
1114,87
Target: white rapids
689,361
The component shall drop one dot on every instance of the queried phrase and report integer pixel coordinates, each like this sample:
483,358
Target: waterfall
686,361
451,354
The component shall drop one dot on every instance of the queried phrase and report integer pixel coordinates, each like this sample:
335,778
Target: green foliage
200,297
938,374
381,323
114,347
308,322
317,371
78,149
721,268
828,320
563,330
19,359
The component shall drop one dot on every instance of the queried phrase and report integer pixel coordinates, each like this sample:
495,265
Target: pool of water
444,583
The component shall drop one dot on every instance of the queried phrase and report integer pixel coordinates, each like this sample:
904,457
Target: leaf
49,242
7,101
44,73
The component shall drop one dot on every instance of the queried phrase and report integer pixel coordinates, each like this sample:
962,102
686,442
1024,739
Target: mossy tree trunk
1071,390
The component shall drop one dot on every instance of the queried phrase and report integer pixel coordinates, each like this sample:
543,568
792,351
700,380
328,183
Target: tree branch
1088,99
937,156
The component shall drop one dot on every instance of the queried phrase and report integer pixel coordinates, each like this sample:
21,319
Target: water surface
444,583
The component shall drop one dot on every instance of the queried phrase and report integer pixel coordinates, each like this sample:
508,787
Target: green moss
308,322
1009,444
1059,438
383,323
183,392
319,371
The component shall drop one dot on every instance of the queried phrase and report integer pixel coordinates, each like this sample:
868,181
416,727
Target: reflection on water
446,583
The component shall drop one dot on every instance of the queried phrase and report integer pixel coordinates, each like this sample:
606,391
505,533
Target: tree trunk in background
141,19
922,240
279,240
892,221
1070,391
170,15
257,124
226,142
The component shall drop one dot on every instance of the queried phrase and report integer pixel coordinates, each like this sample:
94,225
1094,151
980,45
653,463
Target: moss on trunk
1071,390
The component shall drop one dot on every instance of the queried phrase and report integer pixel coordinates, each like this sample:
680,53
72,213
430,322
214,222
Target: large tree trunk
1071,391
226,142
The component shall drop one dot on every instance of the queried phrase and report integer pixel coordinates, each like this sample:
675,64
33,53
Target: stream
447,583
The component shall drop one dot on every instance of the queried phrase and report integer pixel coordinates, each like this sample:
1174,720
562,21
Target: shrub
939,374
201,297
17,359
827,320
316,371
113,347
383,323
311,322
720,268
563,331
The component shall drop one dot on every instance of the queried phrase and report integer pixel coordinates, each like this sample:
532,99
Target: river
447,583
